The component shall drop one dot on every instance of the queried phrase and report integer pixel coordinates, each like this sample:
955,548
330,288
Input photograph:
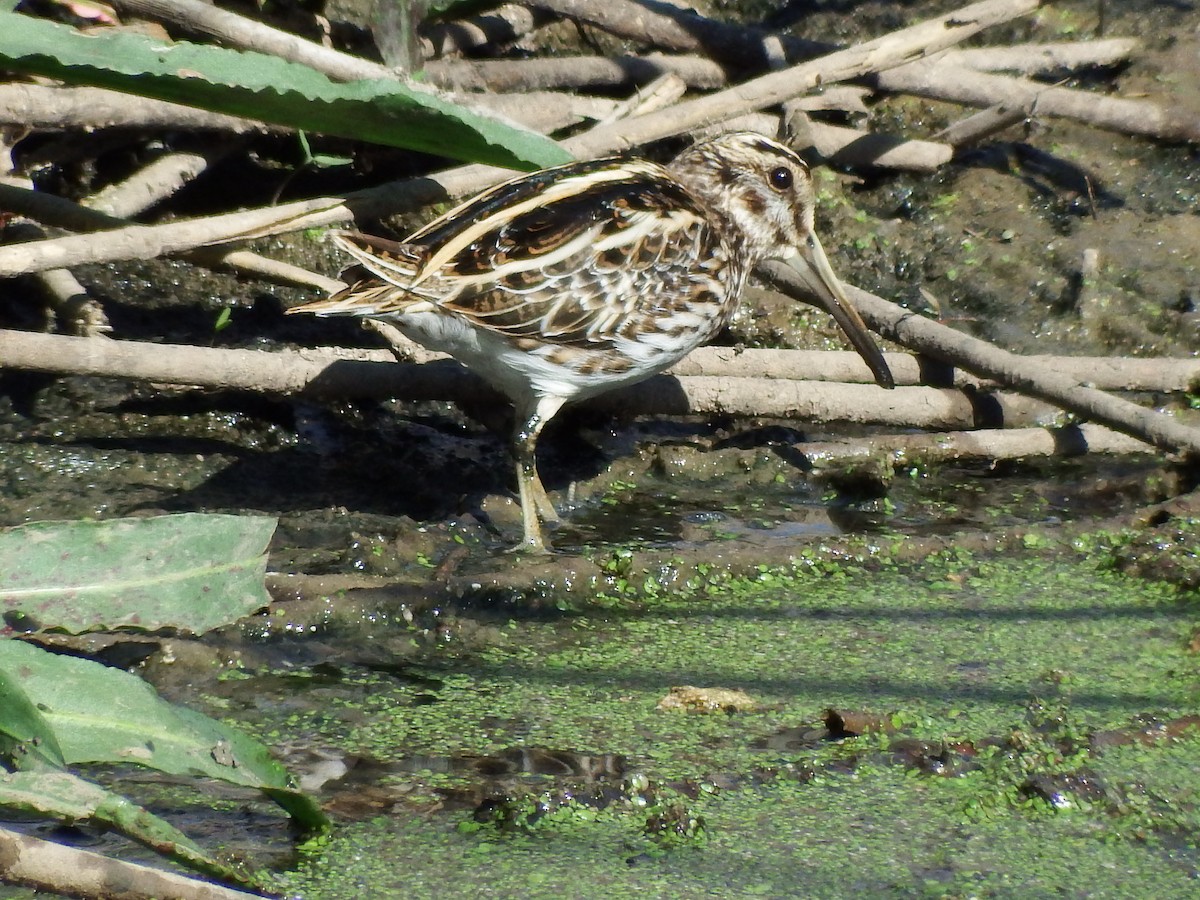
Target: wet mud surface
962,680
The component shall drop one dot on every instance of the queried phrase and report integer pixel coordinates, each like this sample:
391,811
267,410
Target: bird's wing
581,254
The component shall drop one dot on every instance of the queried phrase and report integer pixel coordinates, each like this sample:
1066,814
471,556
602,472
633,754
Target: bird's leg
535,504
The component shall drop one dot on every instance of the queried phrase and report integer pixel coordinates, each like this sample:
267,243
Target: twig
982,125
1102,372
245,33
341,374
684,30
949,446
935,77
543,111
1044,59
776,87
60,869
145,241
142,242
149,185
41,106
72,308
703,73
661,92
959,84
1018,373
573,72
500,26
62,213
864,149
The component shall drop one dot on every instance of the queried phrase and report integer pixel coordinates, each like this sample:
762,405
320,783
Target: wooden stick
327,373
142,242
958,84
989,361
872,56
234,30
1044,59
904,450
941,77
705,74
341,372
59,869
43,106
573,72
502,25
62,213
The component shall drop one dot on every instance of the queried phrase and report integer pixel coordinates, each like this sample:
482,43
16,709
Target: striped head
758,190
761,194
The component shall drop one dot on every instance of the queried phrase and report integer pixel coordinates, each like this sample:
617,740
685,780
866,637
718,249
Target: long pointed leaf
103,715
270,89
70,798
26,738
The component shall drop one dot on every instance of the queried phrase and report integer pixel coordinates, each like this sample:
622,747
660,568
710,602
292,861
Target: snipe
575,280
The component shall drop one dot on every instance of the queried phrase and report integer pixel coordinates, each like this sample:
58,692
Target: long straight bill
811,262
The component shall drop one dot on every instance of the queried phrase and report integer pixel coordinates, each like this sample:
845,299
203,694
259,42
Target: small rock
696,699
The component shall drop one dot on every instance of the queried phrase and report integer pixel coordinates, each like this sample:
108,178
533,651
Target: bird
578,279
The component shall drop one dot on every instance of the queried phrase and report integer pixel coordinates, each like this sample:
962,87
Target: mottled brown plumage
575,280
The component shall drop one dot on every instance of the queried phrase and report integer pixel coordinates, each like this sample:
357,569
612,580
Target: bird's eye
781,178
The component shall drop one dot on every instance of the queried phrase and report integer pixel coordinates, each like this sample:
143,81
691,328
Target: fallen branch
1044,59
1102,372
1012,371
143,241
42,106
864,149
684,30
339,373
573,73
503,25
150,184
704,74
68,301
959,84
101,226
905,450
939,77
234,30
326,373
59,869
148,241
881,53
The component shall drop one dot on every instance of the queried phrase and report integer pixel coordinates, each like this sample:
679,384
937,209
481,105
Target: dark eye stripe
775,150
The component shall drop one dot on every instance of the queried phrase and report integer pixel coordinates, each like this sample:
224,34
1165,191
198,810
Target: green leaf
258,86
26,739
190,571
103,715
70,798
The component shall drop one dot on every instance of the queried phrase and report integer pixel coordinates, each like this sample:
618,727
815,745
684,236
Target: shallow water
505,739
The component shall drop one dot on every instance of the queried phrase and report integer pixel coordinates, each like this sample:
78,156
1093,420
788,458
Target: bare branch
233,30
42,106
987,443
1005,368
959,84
343,373
872,56
573,72
60,869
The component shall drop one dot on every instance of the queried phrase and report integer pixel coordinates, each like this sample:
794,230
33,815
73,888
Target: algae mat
1023,730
